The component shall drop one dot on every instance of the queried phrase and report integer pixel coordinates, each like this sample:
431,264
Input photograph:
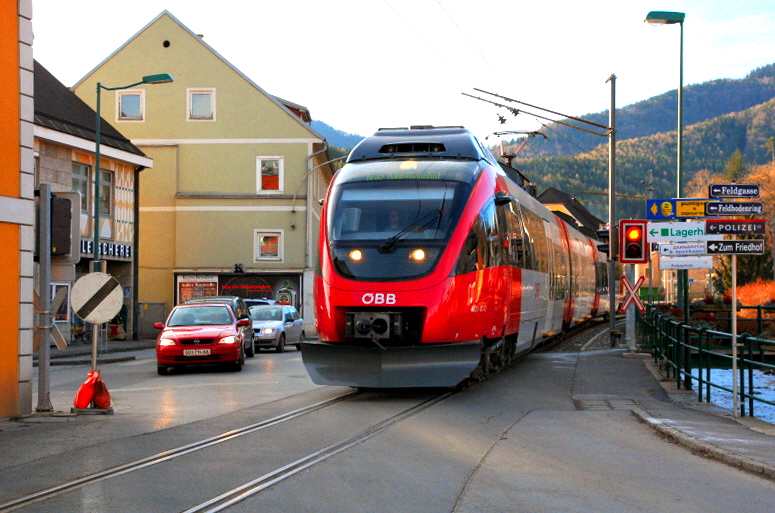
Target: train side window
494,248
511,218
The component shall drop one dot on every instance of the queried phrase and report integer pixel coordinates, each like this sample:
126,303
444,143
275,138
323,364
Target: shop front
282,287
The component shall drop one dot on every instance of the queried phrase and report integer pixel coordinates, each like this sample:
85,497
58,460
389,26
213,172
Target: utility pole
613,233
44,291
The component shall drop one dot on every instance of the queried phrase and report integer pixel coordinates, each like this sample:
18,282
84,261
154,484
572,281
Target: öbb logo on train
378,299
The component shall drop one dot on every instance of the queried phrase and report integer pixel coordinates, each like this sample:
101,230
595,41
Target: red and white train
435,266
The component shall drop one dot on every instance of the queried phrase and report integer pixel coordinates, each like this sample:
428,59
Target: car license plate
196,352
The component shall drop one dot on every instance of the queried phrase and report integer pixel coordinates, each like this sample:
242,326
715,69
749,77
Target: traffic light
633,241
603,236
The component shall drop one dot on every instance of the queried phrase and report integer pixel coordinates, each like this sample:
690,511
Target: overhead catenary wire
580,120
516,112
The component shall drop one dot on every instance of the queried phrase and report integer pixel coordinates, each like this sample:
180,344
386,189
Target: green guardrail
680,349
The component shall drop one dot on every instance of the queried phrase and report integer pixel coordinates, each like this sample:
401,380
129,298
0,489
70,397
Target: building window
81,184
130,105
268,245
201,104
269,174
106,193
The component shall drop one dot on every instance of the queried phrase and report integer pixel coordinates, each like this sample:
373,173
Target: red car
200,334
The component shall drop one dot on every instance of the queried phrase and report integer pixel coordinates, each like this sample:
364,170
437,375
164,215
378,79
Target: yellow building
17,210
231,205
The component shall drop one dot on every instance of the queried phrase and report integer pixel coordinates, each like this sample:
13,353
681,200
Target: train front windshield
387,230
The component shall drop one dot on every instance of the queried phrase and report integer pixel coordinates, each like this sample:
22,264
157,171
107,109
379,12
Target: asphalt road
554,432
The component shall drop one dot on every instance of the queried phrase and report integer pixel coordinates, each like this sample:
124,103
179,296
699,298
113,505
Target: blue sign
676,208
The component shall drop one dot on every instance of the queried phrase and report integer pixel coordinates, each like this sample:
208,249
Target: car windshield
204,315
266,313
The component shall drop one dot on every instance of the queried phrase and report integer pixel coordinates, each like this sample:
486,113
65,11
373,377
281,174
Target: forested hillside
659,114
708,145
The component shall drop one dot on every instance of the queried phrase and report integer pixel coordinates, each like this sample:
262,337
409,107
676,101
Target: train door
555,305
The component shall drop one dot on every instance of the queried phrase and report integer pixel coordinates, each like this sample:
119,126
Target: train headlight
356,255
418,255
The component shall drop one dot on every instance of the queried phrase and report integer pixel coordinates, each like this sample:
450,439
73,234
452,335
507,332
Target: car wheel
250,351
163,370
239,363
281,343
301,341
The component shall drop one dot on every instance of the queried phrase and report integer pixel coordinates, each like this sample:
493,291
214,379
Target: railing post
760,321
679,339
703,333
687,358
747,340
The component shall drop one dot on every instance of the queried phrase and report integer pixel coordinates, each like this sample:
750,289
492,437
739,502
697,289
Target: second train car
435,267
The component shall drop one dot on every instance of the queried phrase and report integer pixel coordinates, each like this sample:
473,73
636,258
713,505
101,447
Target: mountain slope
336,137
707,145
659,114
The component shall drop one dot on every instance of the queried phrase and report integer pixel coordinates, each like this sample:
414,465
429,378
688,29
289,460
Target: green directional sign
692,231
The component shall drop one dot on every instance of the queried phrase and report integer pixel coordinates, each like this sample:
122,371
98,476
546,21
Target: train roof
424,141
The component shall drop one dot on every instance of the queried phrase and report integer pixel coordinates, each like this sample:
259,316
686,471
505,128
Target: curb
86,361
747,464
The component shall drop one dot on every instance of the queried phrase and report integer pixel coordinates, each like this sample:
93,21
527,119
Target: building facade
17,208
65,158
231,206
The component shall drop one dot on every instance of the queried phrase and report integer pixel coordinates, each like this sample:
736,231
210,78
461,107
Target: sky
359,65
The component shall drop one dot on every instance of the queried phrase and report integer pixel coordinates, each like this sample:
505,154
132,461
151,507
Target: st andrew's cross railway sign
632,295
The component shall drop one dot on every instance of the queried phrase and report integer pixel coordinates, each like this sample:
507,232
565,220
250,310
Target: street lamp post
160,78
672,18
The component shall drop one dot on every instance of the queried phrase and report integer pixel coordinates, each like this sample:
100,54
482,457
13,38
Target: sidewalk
78,354
744,442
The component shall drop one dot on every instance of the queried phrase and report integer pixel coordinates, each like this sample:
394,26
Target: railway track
251,487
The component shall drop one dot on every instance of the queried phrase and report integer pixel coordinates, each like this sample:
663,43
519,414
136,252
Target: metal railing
680,349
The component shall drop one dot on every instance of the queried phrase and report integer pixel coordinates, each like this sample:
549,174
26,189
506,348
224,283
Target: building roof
297,112
563,203
59,109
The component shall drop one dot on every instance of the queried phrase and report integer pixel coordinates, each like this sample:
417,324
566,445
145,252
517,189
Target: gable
244,110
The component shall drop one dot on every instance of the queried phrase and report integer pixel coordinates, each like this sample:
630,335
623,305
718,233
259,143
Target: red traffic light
633,242
634,233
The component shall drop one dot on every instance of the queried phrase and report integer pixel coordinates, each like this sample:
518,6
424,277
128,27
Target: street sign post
733,190
690,231
734,226
676,208
682,249
679,263
96,298
736,247
732,208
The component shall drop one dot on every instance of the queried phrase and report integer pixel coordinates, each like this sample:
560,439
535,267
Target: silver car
275,326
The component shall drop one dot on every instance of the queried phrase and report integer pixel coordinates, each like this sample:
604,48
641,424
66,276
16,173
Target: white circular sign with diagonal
96,298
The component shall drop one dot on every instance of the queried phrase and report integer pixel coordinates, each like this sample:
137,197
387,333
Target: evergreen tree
735,167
